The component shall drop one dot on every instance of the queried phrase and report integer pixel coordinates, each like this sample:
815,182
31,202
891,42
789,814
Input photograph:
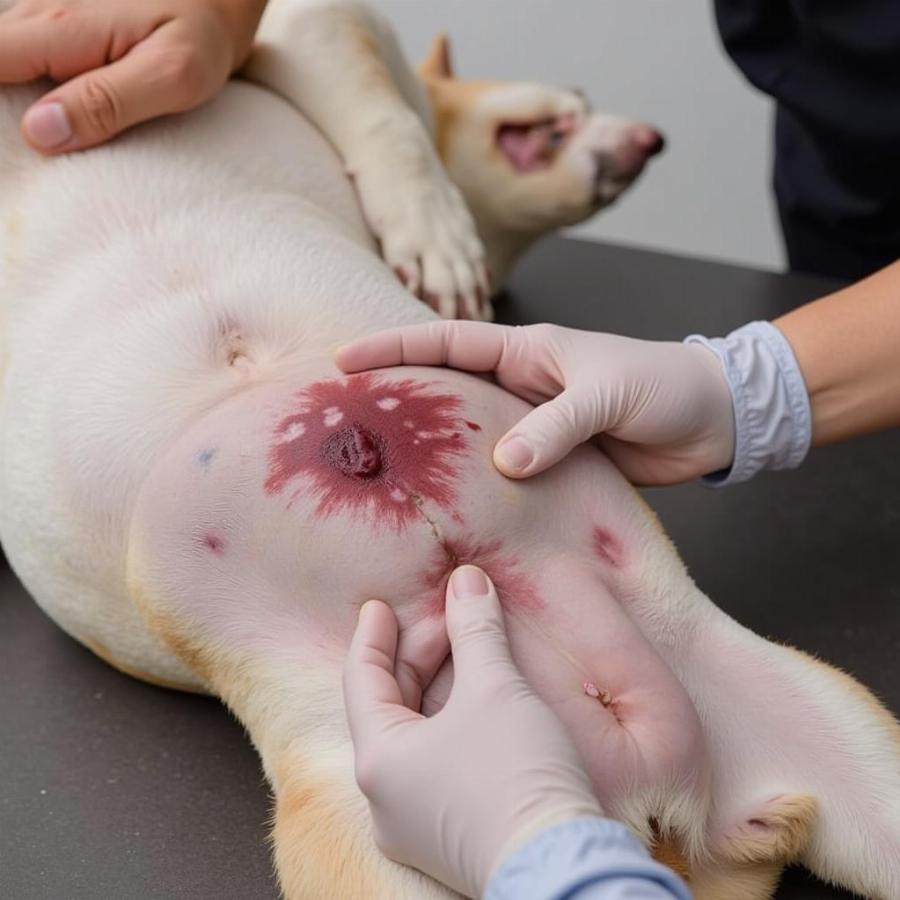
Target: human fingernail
47,125
514,454
469,581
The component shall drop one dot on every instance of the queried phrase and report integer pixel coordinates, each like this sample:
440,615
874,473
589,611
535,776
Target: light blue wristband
584,859
772,418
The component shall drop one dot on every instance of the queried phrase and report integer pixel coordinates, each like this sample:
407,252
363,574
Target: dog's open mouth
533,146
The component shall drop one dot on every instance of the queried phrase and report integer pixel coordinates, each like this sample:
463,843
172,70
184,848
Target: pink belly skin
379,486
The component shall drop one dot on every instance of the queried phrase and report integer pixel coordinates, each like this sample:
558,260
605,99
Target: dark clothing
833,67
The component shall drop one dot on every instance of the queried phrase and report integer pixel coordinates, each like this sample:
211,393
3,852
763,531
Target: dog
190,488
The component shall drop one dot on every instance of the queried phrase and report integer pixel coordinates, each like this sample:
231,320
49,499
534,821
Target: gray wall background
659,60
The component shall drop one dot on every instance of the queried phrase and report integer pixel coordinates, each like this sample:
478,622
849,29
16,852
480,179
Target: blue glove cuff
582,858
773,422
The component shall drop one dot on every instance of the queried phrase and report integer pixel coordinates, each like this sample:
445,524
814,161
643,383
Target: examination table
116,790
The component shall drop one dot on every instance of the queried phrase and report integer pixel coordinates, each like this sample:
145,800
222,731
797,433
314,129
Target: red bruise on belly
370,447
607,546
213,542
515,589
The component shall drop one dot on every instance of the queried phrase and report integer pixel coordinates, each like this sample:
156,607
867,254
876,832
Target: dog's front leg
338,62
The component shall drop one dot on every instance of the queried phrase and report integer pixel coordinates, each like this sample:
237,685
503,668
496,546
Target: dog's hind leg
279,677
288,695
806,768
339,63
282,682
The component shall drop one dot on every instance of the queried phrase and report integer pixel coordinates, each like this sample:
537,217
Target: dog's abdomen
263,530
149,281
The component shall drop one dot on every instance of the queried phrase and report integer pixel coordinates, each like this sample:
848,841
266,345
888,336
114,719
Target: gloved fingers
371,694
471,346
475,625
421,651
547,434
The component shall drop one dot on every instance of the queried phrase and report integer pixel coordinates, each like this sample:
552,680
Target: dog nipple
354,451
600,694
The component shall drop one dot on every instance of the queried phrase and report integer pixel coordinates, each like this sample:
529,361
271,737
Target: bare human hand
119,63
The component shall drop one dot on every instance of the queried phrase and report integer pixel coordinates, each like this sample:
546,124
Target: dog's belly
270,522
257,542
135,281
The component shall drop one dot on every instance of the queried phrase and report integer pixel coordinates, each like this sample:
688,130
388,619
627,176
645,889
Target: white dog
190,488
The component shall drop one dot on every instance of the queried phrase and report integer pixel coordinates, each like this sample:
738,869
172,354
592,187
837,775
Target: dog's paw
431,243
427,234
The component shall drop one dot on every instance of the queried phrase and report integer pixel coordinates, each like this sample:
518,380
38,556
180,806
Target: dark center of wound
354,451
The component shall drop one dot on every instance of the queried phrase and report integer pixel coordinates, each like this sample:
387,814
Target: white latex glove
663,410
453,795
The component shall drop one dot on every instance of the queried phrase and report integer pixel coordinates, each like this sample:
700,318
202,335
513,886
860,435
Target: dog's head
529,158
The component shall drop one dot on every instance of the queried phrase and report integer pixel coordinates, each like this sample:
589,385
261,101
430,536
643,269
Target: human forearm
848,347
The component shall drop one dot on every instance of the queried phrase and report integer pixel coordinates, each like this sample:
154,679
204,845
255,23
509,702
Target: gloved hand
121,63
663,410
453,795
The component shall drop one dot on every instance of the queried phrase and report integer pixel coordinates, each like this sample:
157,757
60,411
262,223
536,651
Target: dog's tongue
533,146
527,147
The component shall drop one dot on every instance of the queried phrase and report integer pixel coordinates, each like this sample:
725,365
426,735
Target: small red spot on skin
607,546
370,462
515,589
473,426
213,542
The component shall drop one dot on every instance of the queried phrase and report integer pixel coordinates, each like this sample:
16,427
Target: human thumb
93,107
547,434
475,625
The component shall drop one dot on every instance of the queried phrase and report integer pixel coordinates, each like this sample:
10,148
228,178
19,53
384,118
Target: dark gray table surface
115,790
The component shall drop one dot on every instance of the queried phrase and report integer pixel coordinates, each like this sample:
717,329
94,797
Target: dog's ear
437,64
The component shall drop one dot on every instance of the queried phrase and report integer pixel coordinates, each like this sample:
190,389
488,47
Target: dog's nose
636,146
649,140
